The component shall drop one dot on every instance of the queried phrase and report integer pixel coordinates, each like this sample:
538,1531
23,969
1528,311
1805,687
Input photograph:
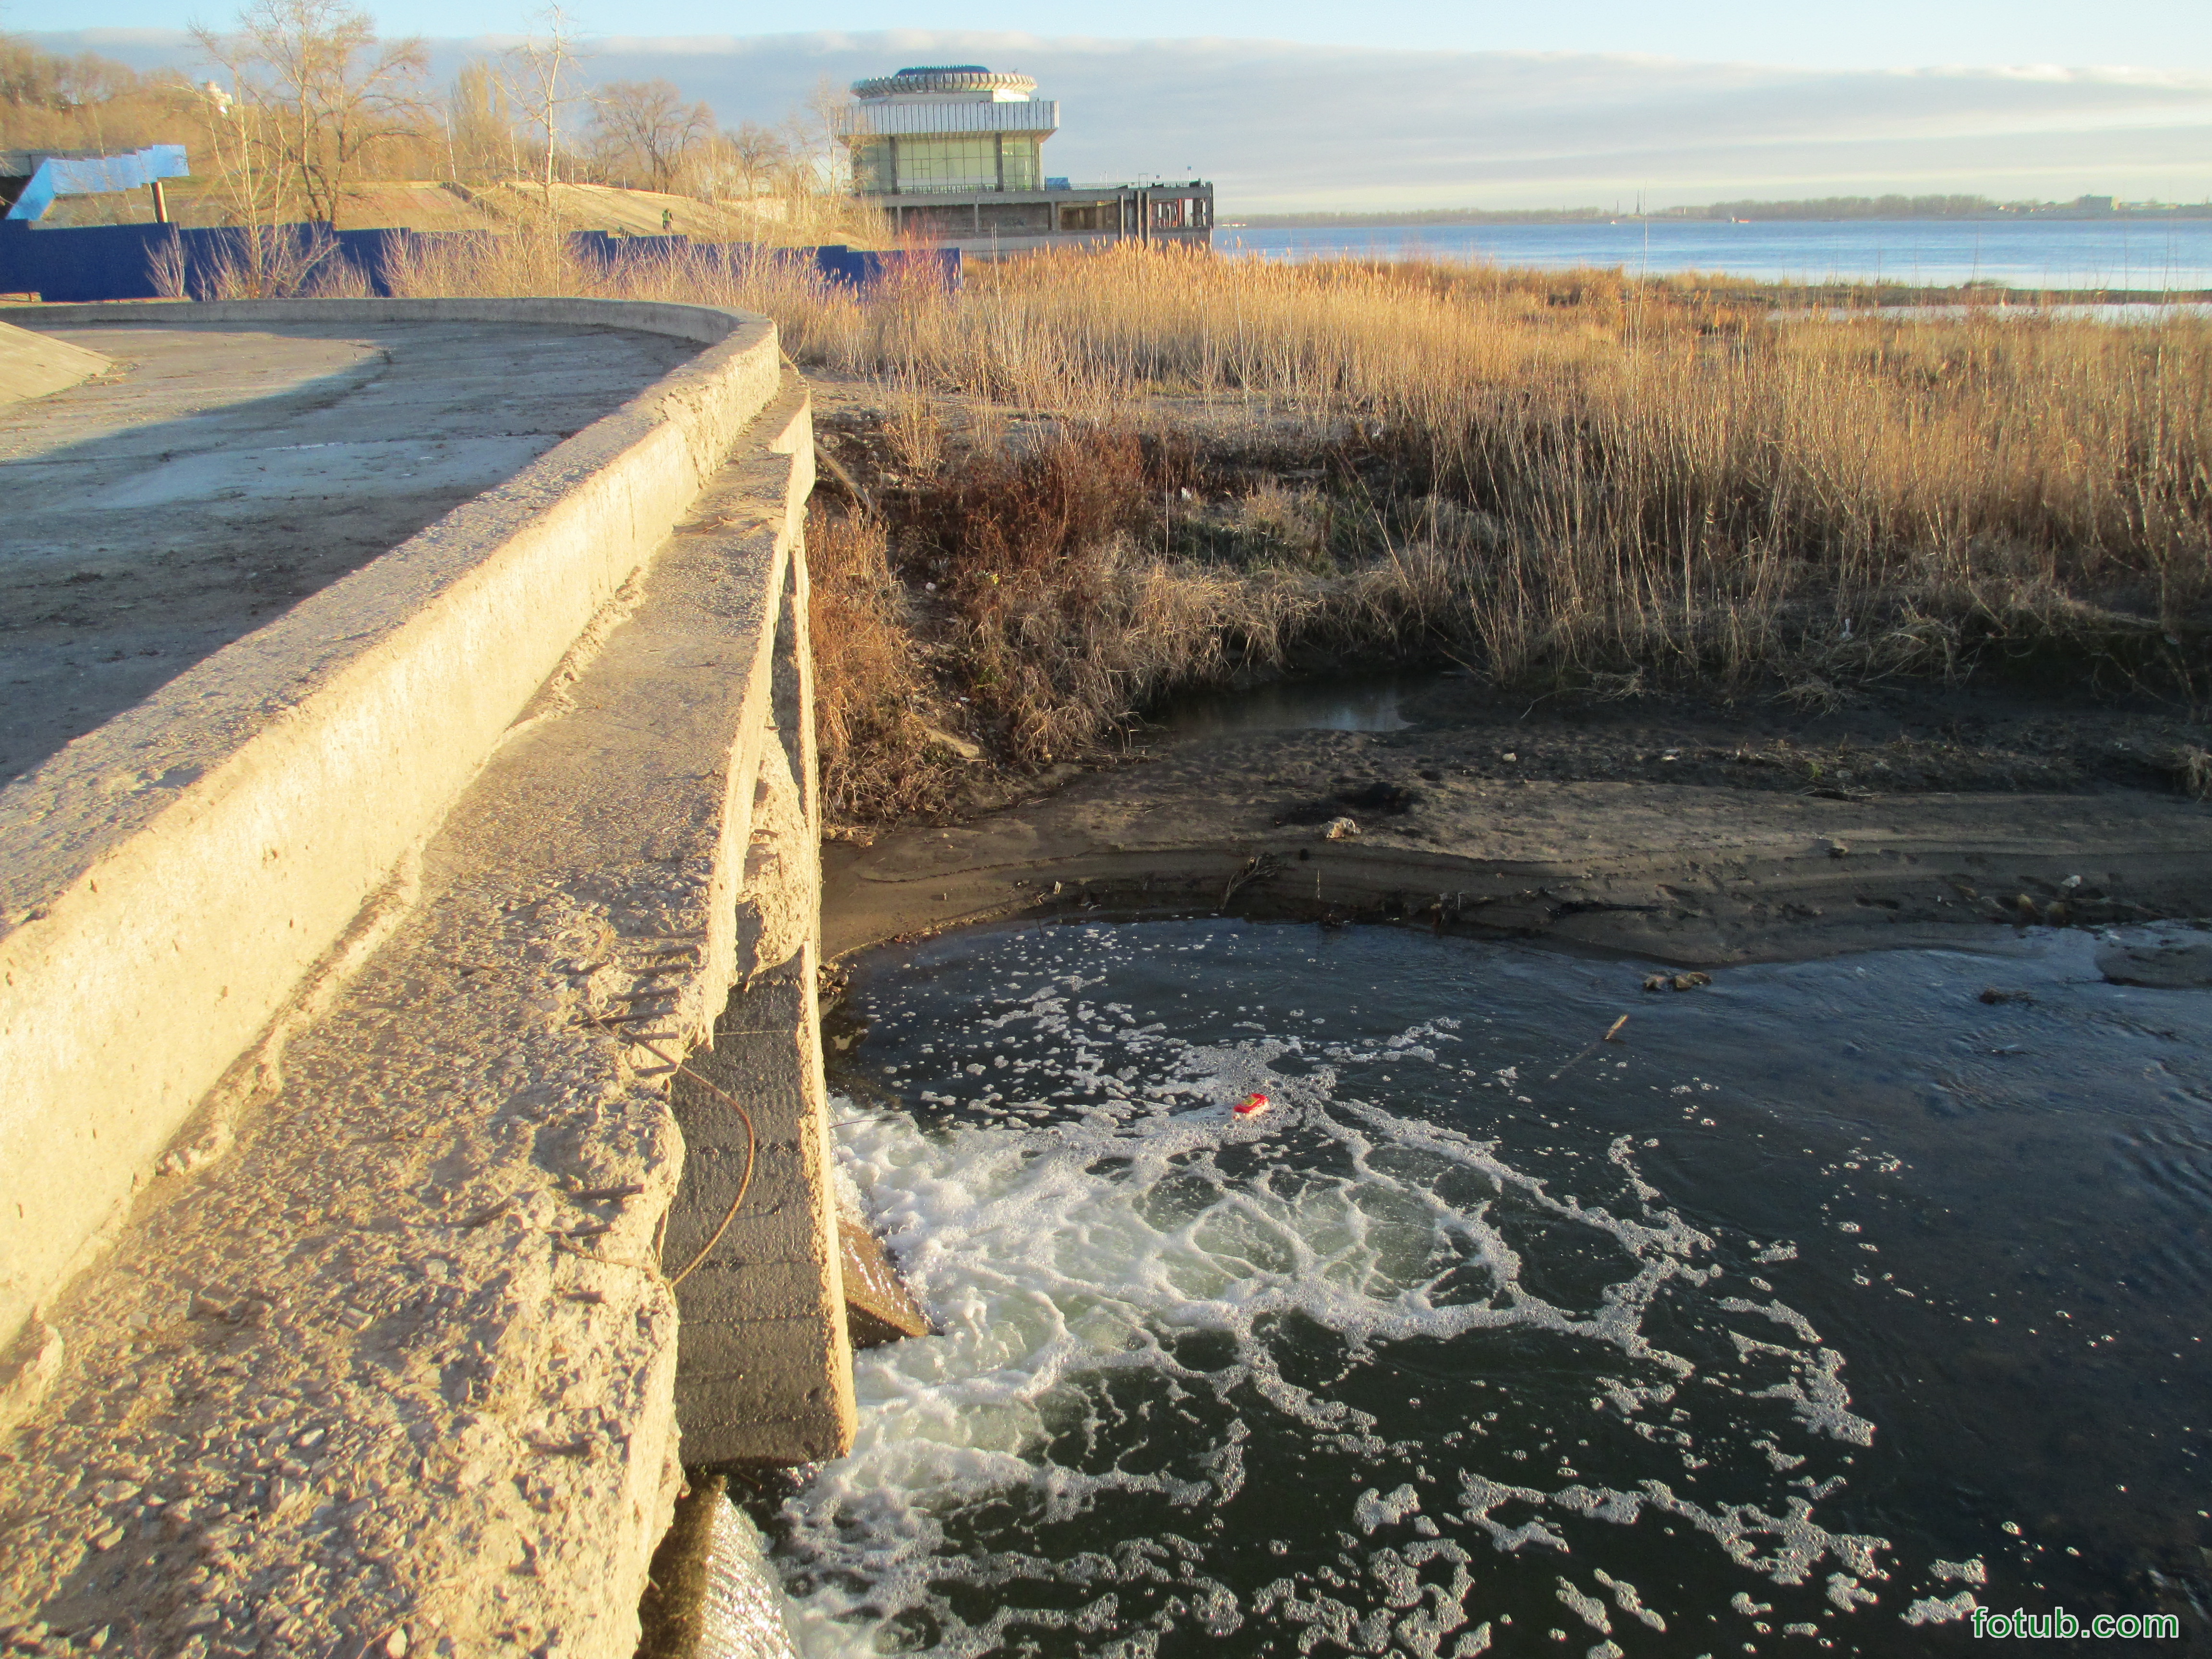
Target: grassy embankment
1098,478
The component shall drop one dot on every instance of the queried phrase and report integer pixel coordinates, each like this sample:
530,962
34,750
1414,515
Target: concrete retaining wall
388,1361
171,879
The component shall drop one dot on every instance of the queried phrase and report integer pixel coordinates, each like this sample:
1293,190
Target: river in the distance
1831,1301
2142,255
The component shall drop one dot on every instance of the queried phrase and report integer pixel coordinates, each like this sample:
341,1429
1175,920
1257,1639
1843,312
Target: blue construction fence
126,262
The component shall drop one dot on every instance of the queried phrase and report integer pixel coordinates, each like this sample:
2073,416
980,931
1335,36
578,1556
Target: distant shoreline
2068,214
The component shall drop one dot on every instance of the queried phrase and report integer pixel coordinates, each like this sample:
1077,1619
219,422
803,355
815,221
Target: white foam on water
1055,1255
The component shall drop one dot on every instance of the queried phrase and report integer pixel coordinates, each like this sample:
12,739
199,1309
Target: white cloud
1280,125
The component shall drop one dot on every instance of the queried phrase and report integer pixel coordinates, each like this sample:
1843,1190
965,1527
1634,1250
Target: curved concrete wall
172,878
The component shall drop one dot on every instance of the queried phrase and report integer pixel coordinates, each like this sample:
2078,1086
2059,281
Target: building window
1020,165
932,164
872,173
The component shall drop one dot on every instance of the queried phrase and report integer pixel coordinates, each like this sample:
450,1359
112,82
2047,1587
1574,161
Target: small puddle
1835,1299
1363,704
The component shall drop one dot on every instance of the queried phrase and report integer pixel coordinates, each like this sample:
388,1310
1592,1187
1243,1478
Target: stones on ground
960,746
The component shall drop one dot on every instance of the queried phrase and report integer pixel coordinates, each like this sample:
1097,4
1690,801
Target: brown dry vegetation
1130,471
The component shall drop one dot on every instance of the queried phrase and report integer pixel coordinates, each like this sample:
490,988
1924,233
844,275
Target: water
1833,1300
2116,253
1363,704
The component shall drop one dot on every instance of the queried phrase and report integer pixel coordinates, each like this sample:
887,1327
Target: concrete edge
172,876
705,323
764,1367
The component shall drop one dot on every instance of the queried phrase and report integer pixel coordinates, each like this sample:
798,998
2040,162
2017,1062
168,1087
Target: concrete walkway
220,473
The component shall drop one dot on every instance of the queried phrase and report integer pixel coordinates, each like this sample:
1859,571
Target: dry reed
1571,475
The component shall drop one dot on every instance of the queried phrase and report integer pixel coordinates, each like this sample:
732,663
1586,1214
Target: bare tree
319,93
85,102
235,148
540,63
814,128
644,129
481,116
753,158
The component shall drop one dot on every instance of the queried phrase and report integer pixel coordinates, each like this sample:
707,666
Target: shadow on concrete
227,471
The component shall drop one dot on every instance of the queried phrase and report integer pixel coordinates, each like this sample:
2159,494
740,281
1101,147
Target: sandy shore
1690,834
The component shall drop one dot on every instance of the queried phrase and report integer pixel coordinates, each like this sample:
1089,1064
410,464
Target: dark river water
1829,1302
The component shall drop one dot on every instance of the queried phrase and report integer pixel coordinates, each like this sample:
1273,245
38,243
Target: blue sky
2157,34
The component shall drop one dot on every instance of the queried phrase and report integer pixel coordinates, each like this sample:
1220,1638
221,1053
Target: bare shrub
280,262
911,424
165,267
1057,667
871,692
1008,512
1058,618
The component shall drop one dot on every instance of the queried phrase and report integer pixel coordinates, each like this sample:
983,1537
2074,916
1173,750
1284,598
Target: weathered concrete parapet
171,879
388,1363
766,1361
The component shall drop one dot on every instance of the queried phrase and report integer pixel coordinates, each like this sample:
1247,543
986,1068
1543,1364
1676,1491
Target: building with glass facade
955,153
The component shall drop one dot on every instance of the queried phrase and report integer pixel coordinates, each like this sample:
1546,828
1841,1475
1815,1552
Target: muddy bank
1687,831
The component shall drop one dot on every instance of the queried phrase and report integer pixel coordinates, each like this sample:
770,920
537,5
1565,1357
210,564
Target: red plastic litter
1252,1105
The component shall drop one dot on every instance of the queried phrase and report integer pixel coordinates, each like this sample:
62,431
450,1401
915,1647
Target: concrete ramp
30,365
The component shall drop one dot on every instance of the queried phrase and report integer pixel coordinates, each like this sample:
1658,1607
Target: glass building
955,153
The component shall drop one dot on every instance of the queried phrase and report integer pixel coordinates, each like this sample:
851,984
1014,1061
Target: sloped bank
1684,838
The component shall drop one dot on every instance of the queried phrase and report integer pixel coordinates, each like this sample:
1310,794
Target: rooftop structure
954,152
31,179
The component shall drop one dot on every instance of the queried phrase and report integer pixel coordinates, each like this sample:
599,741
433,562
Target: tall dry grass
818,318
1554,474
1660,471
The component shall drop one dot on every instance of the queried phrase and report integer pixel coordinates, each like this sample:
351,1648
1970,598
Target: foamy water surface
1831,1302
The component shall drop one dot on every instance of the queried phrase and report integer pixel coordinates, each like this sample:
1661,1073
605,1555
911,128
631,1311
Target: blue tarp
90,175
118,262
